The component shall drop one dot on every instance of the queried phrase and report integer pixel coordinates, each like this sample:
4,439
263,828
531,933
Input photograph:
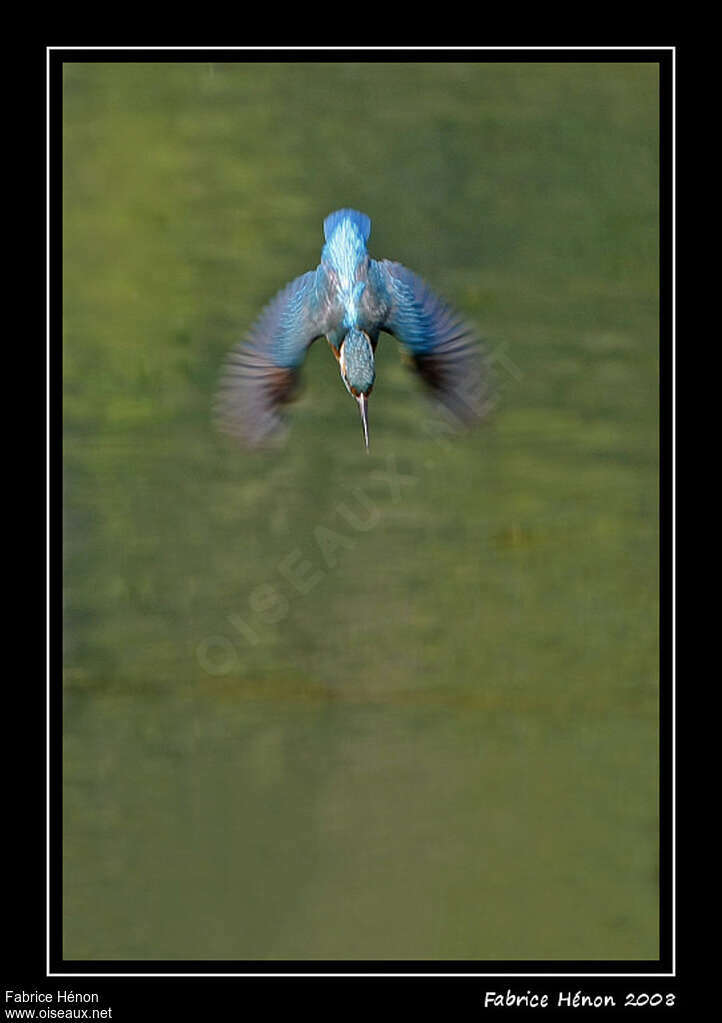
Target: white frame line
460,49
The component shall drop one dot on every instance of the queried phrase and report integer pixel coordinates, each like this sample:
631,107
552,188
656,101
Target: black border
571,970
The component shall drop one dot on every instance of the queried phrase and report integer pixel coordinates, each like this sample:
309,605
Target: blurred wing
261,374
444,350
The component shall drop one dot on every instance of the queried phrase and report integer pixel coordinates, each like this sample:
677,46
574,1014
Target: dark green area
447,748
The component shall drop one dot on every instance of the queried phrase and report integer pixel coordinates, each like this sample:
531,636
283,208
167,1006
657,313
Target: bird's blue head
356,362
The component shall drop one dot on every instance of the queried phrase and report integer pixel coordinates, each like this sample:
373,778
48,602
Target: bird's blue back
344,260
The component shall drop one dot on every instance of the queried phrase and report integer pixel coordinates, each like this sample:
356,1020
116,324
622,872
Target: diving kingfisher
349,298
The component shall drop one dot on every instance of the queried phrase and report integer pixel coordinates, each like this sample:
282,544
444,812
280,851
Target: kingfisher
349,298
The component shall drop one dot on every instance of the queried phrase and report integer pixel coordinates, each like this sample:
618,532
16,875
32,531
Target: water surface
324,705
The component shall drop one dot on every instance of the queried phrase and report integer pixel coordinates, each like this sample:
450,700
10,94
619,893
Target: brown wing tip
251,392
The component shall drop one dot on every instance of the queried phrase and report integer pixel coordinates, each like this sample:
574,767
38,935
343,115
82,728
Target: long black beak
363,408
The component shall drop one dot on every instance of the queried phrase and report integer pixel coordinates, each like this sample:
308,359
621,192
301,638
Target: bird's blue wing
444,350
261,374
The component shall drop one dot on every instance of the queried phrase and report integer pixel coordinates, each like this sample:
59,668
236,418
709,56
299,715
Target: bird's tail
359,220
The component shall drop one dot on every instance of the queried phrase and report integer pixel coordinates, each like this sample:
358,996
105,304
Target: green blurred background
447,747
